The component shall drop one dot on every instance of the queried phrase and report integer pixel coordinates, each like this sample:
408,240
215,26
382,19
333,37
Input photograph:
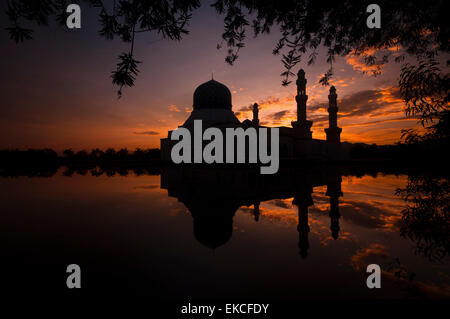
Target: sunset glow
59,94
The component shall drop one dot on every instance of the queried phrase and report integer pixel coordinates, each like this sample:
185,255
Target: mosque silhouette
214,193
212,103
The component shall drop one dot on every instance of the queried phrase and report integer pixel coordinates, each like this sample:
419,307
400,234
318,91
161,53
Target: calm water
215,235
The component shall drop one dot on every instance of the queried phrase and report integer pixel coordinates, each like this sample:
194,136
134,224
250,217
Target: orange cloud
146,133
173,108
357,63
369,116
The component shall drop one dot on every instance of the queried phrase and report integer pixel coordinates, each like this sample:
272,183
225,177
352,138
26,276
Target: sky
57,92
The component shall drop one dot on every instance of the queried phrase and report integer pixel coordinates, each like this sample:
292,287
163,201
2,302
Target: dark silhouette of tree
110,153
28,157
82,154
138,153
426,91
153,153
96,153
96,171
124,20
31,162
122,153
426,217
68,153
421,28
45,162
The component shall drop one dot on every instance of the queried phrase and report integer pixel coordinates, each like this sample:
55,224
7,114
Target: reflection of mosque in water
214,195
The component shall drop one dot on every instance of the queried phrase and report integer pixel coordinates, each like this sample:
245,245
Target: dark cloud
270,100
319,120
147,187
368,215
367,102
358,104
280,203
244,109
373,214
382,121
247,209
318,107
278,115
289,99
146,133
372,103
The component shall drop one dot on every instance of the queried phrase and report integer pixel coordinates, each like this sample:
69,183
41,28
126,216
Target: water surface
220,235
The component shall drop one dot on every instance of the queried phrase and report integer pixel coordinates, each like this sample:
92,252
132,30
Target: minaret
334,192
302,200
302,126
255,120
333,131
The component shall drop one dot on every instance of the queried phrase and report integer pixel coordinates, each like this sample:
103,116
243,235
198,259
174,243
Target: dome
212,95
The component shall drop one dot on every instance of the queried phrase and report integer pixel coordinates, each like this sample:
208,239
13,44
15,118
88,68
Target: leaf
126,72
19,34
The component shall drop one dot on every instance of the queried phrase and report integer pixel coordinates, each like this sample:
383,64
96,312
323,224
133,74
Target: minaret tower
302,126
255,120
333,131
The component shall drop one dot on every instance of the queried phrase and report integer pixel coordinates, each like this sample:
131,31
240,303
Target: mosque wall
290,149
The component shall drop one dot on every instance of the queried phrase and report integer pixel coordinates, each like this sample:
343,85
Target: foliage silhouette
365,159
111,154
31,162
420,28
46,162
426,217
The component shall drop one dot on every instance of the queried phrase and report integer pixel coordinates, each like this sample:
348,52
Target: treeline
111,154
42,156
29,157
435,150
421,150
361,151
89,169
46,162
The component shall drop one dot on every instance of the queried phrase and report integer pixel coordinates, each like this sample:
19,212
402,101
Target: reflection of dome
212,95
213,232
213,221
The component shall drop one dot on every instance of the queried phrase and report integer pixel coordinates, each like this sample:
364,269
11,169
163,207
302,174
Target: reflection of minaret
256,211
302,200
302,126
334,191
